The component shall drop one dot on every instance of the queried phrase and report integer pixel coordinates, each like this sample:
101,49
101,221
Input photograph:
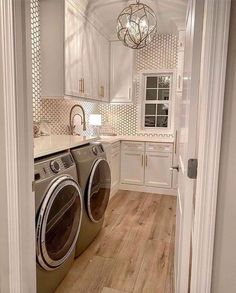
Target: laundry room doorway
17,211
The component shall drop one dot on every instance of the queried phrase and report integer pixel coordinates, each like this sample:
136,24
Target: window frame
142,101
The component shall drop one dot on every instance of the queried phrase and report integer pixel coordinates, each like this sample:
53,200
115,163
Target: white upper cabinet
100,51
81,54
52,48
104,69
74,55
73,51
94,62
121,73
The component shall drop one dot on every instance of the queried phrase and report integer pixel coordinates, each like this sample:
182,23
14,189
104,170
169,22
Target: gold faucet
71,126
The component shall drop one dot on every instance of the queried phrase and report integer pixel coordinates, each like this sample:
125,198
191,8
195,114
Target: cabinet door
157,169
115,169
87,59
94,63
52,15
104,69
121,79
132,167
73,43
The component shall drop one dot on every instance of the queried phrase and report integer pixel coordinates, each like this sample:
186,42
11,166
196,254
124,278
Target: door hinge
192,168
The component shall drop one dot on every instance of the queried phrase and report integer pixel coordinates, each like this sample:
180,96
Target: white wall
224,263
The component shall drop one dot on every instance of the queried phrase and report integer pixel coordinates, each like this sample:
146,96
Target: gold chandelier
136,25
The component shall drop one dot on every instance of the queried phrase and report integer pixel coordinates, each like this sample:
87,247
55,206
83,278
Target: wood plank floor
133,253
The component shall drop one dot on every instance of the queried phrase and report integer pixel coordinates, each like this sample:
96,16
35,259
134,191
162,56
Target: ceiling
170,13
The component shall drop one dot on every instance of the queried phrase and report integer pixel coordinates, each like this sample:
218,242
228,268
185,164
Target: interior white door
187,143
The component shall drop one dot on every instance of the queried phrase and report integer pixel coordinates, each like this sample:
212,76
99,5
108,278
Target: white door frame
212,89
17,224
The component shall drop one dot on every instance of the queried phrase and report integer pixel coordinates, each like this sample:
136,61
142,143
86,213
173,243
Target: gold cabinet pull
102,91
142,160
146,160
80,85
83,85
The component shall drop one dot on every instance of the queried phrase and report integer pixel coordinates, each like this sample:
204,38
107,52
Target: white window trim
141,102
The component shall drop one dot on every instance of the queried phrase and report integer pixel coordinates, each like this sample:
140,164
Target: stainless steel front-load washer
58,208
94,177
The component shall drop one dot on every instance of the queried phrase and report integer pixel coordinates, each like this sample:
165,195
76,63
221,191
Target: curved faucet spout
83,121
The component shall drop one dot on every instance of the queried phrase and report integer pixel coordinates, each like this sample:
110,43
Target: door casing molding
17,272
10,273
212,89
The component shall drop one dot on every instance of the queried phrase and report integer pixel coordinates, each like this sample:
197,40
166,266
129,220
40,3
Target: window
156,101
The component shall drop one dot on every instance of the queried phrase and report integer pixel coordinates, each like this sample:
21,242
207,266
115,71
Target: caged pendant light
136,25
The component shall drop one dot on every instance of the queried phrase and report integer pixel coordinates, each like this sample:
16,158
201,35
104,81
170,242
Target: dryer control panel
97,148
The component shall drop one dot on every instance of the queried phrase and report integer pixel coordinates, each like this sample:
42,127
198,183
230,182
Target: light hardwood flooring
133,253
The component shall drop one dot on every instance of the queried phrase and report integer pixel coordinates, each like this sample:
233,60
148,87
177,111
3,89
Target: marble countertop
47,145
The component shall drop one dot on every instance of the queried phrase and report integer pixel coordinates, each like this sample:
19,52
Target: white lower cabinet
113,158
132,171
146,164
115,167
157,169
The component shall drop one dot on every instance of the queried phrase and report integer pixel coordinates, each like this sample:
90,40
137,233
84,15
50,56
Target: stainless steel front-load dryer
59,208
95,180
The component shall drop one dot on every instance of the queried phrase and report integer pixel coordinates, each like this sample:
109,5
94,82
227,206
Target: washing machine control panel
55,167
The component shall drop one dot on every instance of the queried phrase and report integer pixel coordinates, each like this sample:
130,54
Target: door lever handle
173,168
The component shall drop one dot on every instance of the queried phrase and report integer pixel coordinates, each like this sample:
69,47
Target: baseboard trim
141,188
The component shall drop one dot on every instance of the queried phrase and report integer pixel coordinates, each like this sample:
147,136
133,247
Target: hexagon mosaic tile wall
35,45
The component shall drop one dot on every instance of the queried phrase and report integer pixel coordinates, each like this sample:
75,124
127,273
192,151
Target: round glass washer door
58,223
98,191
